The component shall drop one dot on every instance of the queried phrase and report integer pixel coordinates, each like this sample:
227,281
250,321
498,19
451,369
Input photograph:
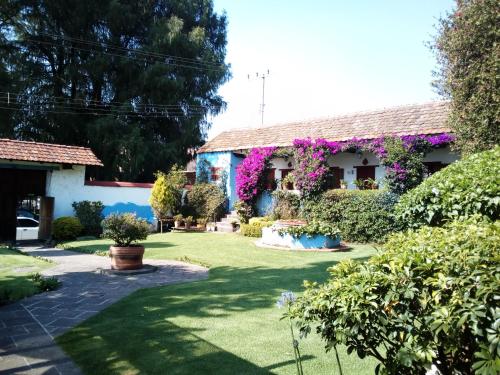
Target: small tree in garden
90,216
166,193
468,50
206,200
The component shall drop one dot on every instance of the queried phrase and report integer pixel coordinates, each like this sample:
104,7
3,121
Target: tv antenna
262,76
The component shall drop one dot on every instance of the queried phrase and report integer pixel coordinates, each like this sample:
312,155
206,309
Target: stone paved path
28,327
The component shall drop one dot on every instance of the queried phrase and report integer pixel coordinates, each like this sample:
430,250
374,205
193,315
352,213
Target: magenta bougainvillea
312,166
404,163
250,171
401,168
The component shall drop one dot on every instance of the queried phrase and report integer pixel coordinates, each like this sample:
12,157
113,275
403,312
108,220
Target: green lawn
228,324
14,271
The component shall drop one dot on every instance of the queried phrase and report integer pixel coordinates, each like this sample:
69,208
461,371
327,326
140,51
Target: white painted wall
66,186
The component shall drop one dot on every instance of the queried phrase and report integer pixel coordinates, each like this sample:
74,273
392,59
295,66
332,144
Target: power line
121,48
9,96
168,63
96,111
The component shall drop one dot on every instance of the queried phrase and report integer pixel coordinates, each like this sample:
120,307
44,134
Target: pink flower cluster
397,171
312,167
250,171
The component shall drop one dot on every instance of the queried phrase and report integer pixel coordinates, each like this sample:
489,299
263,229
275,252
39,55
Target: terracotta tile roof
428,118
46,153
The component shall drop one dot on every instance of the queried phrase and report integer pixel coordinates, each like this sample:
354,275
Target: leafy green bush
244,210
44,284
262,219
286,205
206,200
360,215
254,229
125,229
464,188
430,297
90,215
311,229
66,228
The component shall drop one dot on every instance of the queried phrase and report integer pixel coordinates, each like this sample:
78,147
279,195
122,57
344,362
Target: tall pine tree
133,79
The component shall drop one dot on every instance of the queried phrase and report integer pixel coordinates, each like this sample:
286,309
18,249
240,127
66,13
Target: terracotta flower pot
187,225
177,224
126,258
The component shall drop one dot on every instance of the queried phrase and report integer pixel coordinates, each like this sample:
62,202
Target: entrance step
224,227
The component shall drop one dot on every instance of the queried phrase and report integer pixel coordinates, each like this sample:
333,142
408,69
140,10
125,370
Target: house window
284,173
364,175
215,175
335,174
269,182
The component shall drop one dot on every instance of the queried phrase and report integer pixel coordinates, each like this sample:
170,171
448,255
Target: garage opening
25,212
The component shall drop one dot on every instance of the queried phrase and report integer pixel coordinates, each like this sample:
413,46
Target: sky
325,57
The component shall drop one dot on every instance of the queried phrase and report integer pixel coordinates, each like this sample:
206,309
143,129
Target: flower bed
298,235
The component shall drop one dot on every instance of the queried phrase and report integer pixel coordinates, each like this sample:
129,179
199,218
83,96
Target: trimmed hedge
465,188
66,228
430,297
360,215
254,229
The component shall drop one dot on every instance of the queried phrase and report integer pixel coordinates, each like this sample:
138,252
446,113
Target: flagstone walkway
28,327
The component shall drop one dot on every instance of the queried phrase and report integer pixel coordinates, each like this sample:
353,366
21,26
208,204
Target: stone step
224,227
229,219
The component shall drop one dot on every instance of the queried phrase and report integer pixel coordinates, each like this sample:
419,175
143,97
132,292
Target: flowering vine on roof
401,155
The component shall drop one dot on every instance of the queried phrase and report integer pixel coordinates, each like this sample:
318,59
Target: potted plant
177,221
187,222
125,230
371,184
360,184
343,184
235,223
201,222
211,227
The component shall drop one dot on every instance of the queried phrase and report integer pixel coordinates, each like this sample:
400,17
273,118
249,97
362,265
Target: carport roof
46,153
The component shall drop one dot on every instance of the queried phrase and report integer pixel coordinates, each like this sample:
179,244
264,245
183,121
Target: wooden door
46,217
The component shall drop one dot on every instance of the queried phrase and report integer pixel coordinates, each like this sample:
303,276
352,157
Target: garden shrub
286,205
90,215
66,228
125,229
254,229
263,219
206,200
360,215
430,297
467,187
244,210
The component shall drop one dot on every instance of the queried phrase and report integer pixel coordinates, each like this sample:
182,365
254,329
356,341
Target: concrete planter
126,258
271,237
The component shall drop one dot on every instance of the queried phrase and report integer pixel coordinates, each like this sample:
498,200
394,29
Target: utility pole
262,76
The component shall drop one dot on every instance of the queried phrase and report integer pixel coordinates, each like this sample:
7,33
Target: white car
27,228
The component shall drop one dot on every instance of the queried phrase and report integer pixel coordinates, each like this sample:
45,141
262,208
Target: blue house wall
227,161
